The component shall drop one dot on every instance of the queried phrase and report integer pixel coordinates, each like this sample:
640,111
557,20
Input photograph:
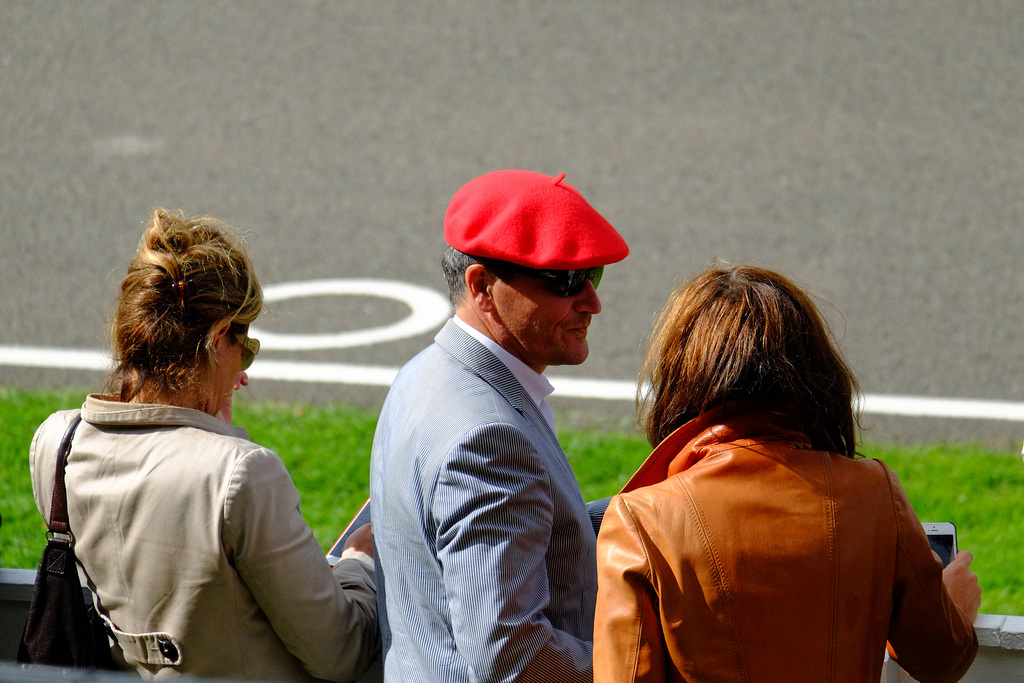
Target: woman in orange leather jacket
754,544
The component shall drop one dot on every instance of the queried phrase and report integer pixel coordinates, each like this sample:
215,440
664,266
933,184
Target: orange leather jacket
738,552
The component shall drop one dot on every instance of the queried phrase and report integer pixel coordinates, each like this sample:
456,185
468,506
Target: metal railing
1000,657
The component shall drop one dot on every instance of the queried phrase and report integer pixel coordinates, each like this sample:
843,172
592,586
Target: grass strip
327,448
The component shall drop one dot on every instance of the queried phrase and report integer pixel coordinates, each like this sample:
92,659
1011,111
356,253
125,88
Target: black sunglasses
561,282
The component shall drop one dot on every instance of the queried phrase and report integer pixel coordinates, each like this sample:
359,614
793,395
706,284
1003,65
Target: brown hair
188,274
745,334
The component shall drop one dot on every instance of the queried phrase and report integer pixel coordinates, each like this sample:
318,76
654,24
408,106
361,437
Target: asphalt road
872,151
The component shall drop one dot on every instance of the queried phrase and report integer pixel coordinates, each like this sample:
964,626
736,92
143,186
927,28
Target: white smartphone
942,537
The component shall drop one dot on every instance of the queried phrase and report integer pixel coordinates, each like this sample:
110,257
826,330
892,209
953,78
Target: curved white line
428,310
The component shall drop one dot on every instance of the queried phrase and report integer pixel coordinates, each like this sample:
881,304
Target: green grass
327,447
982,492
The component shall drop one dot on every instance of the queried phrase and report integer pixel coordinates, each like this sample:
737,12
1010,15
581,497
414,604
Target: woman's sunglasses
561,282
250,347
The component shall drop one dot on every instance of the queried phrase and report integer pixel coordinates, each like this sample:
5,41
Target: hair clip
178,287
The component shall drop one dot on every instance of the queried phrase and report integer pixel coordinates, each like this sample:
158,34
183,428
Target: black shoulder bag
62,629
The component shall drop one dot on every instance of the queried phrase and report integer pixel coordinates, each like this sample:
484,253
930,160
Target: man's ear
478,287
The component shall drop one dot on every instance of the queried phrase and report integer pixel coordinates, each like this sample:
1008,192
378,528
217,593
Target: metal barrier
1000,658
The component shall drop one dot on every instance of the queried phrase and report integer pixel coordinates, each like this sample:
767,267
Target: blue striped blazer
484,547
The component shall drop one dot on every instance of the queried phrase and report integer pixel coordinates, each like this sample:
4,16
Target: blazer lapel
480,360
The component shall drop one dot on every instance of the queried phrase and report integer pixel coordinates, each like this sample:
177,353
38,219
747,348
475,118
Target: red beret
530,219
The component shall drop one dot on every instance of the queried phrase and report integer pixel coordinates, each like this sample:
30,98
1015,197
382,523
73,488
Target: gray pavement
872,151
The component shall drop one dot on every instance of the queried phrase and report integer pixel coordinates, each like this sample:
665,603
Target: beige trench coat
192,541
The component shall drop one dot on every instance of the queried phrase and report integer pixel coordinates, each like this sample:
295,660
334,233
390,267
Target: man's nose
587,300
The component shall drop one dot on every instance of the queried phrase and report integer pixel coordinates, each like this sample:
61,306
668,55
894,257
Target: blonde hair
746,334
188,274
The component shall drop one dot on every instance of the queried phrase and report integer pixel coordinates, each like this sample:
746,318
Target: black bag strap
59,503
61,628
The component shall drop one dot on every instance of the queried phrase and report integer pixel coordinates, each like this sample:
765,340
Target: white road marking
428,310
127,146
599,389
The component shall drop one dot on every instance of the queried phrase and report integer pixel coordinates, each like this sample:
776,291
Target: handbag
62,628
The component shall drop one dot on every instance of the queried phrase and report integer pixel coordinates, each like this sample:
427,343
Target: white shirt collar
537,386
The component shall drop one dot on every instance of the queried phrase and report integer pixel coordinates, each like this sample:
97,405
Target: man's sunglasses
250,347
561,282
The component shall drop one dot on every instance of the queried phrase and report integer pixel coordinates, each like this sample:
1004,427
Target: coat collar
703,435
102,410
480,360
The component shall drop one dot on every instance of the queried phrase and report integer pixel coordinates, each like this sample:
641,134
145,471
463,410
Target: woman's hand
361,539
962,584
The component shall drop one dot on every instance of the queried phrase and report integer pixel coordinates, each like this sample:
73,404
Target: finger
964,557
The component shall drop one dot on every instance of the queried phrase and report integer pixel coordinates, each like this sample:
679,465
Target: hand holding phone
361,539
942,538
361,519
962,585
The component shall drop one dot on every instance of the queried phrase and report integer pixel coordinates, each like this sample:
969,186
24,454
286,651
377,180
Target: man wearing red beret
484,548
